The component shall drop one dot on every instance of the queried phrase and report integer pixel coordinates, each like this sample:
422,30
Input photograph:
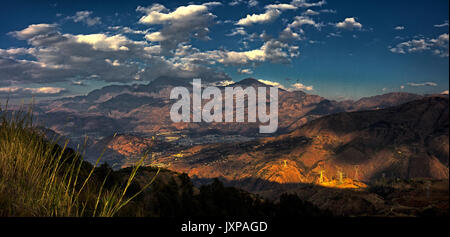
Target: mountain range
144,109
396,135
326,143
401,142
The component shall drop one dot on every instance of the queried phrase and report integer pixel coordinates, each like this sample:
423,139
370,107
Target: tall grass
41,178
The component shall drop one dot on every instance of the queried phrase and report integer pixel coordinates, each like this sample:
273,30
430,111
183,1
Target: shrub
41,178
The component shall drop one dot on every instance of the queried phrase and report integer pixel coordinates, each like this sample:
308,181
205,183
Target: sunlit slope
406,141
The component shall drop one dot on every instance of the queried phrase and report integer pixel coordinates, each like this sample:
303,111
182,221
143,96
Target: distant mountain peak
385,100
249,82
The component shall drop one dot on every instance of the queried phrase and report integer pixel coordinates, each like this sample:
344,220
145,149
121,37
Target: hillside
140,112
39,178
405,141
144,109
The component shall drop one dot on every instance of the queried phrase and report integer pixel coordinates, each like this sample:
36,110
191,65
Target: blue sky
336,49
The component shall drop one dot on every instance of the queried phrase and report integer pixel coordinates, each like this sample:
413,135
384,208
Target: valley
345,147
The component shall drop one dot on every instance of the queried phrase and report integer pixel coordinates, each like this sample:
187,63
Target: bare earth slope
406,141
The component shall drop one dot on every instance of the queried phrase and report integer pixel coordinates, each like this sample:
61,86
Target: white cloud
272,83
85,17
114,63
299,21
235,2
221,83
156,15
212,4
45,90
289,33
245,71
78,83
268,16
300,86
28,91
411,46
419,45
253,3
421,84
271,51
56,57
332,34
237,31
250,3
13,52
127,30
281,6
179,26
349,23
116,56
438,46
310,12
104,42
442,44
34,30
399,28
306,4
328,11
155,37
445,24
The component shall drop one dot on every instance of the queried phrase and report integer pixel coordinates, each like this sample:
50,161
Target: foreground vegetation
41,178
